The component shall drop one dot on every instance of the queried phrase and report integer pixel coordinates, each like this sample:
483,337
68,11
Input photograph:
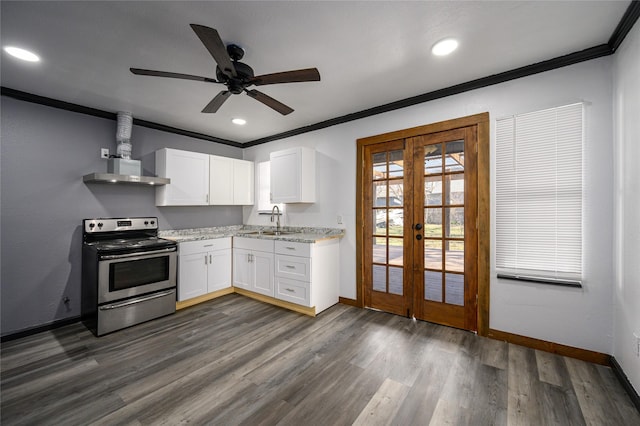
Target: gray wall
44,154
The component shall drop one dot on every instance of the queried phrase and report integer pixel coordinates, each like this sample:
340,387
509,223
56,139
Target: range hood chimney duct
123,135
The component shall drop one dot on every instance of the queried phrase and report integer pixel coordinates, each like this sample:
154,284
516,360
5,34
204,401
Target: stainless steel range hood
129,179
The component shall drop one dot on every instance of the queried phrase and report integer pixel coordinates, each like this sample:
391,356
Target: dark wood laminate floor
238,361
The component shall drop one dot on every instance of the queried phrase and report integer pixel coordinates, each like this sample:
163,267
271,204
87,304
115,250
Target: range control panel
120,224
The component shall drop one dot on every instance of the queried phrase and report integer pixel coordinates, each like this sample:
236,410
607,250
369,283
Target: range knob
146,222
153,222
92,225
100,224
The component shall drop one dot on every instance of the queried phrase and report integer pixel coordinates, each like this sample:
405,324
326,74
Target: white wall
44,154
626,107
580,318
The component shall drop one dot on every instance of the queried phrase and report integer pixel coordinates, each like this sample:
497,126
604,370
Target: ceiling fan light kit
236,75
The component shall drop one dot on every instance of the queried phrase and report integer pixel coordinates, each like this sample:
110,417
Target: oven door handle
139,253
135,301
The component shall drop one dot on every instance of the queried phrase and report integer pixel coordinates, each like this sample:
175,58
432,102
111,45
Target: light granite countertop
295,234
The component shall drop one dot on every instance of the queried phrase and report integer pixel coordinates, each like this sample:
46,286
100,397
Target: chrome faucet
273,210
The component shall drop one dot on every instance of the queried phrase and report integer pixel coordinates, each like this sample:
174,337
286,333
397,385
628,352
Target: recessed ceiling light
444,47
23,54
239,121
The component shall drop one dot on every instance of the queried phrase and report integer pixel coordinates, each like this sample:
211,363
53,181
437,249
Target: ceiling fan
237,76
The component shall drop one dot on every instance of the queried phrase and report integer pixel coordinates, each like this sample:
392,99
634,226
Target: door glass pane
454,256
379,250
395,251
380,221
379,161
433,222
395,280
454,289
433,159
454,156
454,222
433,191
396,193
433,254
454,190
396,221
379,276
380,194
433,286
396,164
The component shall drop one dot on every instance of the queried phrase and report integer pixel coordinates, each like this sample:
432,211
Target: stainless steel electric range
128,273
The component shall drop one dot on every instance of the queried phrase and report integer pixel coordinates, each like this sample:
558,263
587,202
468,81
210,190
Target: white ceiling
368,53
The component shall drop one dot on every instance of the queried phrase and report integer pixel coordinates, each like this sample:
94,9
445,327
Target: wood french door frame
481,124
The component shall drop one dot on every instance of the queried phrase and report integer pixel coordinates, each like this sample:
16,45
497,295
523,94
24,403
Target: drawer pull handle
208,245
290,267
290,248
290,290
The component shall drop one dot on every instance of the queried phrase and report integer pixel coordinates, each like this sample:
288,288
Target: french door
419,236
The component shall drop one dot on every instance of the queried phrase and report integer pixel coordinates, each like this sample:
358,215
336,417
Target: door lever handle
419,237
418,226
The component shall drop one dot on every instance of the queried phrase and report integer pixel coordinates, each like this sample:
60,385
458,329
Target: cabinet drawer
293,291
297,268
293,249
253,244
201,246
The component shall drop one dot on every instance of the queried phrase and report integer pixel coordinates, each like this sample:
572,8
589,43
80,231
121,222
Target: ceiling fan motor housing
237,84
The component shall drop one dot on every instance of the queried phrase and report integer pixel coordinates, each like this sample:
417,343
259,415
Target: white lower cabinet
204,266
253,265
307,273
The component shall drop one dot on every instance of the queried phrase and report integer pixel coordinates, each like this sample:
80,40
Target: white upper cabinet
189,174
201,179
293,175
220,180
230,181
243,182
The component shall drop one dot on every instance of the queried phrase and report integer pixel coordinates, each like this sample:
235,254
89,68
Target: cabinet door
189,174
263,269
285,176
219,273
192,276
242,269
221,177
243,182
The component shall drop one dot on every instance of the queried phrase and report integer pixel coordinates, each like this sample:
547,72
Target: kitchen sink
278,233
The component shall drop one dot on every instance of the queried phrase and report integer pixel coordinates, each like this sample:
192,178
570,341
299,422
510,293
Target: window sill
540,280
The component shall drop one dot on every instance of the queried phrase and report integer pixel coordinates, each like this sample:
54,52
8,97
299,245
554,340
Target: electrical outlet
339,219
104,152
637,336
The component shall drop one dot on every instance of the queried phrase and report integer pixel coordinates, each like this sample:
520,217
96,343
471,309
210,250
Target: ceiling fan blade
212,41
270,102
217,102
153,73
307,74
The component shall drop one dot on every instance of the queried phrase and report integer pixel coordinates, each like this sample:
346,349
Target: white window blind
539,195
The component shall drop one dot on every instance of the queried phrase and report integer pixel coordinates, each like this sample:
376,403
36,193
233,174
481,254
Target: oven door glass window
134,273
